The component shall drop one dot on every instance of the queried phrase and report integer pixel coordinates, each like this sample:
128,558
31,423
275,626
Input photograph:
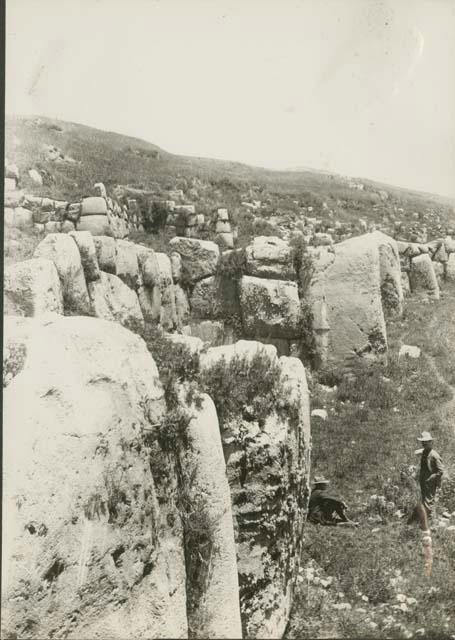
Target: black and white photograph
228,320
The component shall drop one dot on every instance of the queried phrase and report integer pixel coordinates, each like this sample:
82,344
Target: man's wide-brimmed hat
321,480
425,436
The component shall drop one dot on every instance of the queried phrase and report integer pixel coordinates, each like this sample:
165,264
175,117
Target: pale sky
359,87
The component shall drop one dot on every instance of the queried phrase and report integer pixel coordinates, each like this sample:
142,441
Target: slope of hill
71,157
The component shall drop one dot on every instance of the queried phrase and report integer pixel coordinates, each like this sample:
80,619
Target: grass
117,159
366,448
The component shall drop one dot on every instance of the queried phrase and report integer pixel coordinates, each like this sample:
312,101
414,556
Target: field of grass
367,448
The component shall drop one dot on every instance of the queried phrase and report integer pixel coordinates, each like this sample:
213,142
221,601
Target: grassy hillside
117,159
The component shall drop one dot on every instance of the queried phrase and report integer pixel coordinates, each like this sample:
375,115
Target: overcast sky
360,87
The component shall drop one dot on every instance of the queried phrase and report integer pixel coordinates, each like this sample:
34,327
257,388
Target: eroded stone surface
86,553
270,308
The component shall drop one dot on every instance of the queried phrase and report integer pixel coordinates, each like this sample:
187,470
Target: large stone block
63,251
87,250
182,307
216,610
94,206
348,280
268,471
126,264
168,318
97,225
106,250
31,288
269,257
113,300
390,274
270,308
206,299
423,278
199,257
150,303
148,265
86,546
23,218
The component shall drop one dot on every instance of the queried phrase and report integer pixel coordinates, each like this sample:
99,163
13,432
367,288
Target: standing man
431,471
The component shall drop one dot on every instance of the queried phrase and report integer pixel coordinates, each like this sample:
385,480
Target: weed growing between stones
304,268
179,371
248,388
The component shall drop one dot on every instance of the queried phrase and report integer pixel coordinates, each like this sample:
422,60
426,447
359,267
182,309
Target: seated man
325,508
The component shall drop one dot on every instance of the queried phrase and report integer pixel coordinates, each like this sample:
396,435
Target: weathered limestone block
423,278
199,257
176,265
405,285
270,307
449,244
67,226
450,268
214,298
348,281
53,226
13,199
87,250
8,217
97,225
227,238
148,265
211,331
126,264
217,613
40,216
63,251
86,548
31,288
268,470
94,206
390,274
150,303
23,218
113,300
269,257
168,318
106,250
